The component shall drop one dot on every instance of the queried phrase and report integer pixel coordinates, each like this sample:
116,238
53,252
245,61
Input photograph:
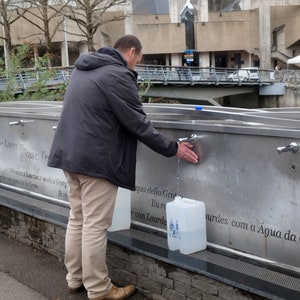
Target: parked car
244,74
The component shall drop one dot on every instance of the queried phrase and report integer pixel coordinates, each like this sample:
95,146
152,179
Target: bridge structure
192,84
27,80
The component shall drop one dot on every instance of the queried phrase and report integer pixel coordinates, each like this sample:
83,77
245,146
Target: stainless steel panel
251,191
24,149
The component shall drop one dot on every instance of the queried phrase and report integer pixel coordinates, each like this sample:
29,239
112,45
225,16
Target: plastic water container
122,213
186,225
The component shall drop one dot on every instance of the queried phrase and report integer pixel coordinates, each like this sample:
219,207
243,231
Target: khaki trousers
92,203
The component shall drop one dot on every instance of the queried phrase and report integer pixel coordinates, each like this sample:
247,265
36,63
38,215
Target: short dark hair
128,41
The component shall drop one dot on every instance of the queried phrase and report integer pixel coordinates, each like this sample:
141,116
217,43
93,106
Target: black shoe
76,290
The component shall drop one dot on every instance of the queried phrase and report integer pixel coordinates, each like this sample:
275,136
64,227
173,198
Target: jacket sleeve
125,104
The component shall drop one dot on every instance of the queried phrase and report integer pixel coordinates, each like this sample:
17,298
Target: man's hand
185,152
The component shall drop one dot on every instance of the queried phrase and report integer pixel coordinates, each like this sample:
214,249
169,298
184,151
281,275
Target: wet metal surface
251,192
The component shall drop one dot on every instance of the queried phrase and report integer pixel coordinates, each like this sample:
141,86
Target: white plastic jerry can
173,215
122,212
186,225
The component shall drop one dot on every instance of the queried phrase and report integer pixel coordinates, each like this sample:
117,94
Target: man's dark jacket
101,121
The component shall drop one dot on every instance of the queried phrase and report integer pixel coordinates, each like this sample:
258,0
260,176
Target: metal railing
26,79
196,75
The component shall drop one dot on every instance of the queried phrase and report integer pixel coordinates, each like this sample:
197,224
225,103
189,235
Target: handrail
203,75
25,79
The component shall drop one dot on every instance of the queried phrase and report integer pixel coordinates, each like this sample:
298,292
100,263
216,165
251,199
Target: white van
244,74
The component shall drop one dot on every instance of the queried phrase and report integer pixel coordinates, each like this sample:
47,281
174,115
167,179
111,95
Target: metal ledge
267,281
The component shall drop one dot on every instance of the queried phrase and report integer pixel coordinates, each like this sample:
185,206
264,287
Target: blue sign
189,55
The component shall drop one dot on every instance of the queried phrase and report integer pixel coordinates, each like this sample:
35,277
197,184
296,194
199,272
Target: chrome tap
293,147
191,139
20,122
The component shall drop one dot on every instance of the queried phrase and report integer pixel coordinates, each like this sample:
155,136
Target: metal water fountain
248,172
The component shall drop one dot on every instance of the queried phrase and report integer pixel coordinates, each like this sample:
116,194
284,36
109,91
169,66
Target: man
95,144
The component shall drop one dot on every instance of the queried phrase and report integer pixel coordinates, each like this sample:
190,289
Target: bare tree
46,16
89,15
7,18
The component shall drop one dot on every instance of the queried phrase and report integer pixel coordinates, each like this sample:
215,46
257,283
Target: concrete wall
231,31
161,38
291,98
290,17
165,34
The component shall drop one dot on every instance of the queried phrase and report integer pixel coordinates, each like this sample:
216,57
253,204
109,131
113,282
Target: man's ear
132,51
129,53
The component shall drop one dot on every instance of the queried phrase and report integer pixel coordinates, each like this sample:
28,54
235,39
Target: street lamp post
66,42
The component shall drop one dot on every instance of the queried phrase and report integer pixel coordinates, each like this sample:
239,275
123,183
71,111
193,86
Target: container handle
190,201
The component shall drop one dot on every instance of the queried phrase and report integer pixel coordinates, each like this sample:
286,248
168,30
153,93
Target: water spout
292,147
192,139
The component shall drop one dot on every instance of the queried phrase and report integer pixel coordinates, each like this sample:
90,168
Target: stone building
245,33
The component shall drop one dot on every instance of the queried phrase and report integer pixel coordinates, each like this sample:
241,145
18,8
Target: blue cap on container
198,107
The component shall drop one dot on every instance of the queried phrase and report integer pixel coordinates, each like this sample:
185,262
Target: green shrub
17,83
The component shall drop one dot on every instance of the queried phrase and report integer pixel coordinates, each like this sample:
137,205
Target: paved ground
12,289
27,274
